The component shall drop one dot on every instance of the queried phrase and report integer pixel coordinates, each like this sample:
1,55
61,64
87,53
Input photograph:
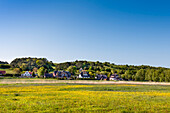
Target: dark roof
2,72
59,73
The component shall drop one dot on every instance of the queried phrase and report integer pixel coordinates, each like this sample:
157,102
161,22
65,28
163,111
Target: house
2,72
101,77
62,74
114,77
84,74
48,75
27,74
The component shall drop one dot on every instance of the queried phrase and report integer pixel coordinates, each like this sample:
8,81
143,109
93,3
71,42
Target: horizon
90,61
121,32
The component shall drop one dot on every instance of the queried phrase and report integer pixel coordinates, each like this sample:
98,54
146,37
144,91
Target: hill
127,72
27,64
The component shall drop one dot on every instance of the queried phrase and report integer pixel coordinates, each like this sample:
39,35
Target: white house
84,74
26,74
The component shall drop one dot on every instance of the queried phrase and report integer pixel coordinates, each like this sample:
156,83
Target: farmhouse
84,74
62,74
27,74
101,77
48,75
2,72
114,77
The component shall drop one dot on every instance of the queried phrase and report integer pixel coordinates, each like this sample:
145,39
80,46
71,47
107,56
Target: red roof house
2,72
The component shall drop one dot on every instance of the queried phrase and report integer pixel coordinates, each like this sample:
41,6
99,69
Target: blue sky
119,31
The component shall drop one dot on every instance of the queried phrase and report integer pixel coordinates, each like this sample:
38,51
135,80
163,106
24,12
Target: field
69,97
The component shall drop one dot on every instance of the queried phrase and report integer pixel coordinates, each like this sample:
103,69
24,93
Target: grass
84,98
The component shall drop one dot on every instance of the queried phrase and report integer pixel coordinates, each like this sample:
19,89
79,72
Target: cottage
62,74
114,77
27,74
2,72
48,75
101,77
84,74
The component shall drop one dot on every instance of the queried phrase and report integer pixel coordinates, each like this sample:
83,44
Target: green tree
167,75
72,69
41,71
140,75
148,74
33,74
17,70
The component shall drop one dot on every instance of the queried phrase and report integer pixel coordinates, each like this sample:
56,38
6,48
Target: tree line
126,72
2,62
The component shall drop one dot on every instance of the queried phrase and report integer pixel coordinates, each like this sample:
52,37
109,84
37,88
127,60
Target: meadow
65,97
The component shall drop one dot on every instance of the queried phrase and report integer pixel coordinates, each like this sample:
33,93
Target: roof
2,72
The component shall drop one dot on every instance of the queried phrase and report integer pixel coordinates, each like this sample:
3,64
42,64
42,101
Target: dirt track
14,81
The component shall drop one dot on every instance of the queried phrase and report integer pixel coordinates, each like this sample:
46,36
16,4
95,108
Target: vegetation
2,62
4,66
28,64
41,71
84,98
127,72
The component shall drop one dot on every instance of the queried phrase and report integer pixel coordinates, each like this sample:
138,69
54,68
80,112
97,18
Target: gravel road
14,81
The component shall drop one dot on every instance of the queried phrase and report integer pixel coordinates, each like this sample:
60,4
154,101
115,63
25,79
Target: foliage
41,71
2,62
28,64
127,72
17,70
72,69
4,66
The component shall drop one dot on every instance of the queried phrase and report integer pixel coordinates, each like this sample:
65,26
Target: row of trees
158,75
2,62
4,66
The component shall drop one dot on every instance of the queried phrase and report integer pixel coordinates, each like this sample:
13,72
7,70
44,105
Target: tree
35,70
140,75
72,69
108,69
167,75
148,74
17,70
33,74
162,77
155,75
41,71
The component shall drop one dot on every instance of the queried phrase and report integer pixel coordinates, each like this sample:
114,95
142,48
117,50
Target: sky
134,32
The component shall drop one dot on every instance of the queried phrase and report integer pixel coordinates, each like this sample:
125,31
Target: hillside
27,64
127,72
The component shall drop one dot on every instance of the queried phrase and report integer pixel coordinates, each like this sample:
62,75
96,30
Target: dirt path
14,81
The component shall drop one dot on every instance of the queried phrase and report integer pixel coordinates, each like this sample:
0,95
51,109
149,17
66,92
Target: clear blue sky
120,31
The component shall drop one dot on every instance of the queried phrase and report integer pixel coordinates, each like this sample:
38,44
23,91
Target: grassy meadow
66,97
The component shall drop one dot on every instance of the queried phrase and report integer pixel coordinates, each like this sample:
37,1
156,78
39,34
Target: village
66,75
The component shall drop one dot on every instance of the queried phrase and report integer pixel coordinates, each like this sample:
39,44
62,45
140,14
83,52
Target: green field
62,97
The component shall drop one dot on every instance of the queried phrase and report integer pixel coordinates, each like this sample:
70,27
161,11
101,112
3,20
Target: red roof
2,72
